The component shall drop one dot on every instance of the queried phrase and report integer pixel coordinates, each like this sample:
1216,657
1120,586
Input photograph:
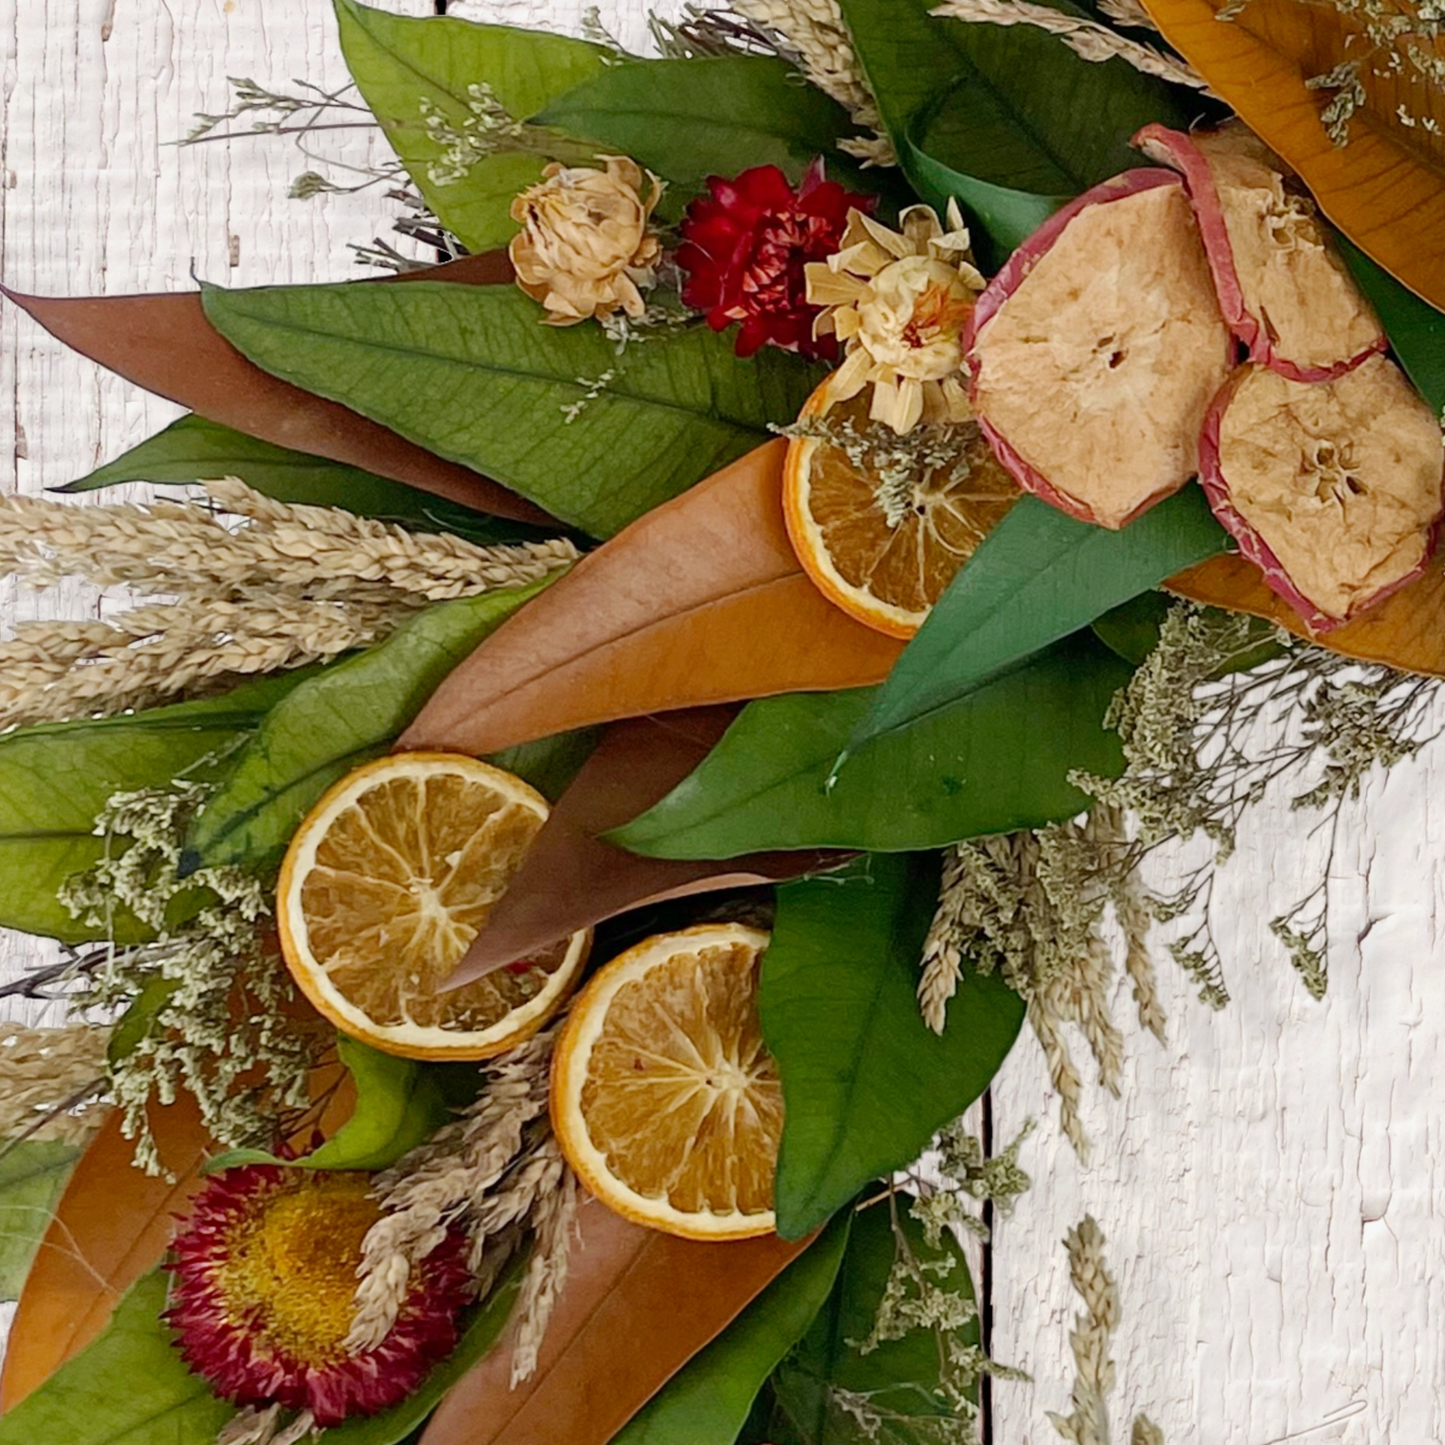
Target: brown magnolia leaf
1403,631
1384,188
570,879
637,1305
165,344
111,1226
700,601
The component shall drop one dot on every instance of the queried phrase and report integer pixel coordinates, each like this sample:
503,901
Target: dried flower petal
900,301
585,247
744,249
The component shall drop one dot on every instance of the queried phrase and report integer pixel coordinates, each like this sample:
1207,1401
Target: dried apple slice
1282,288
1094,354
1332,488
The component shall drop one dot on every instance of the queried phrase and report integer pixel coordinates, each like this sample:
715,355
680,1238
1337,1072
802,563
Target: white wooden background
1269,1181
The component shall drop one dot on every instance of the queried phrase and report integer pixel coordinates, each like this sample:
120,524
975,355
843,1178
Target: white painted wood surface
1268,1182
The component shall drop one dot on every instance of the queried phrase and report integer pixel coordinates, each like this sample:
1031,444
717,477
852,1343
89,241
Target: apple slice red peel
1123,343
1282,288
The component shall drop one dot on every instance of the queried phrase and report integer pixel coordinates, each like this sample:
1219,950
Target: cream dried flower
900,300
585,248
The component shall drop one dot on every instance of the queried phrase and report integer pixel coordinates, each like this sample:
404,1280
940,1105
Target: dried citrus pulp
387,882
664,1099
882,523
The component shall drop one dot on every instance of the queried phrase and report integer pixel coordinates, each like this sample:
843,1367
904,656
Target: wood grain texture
1270,1183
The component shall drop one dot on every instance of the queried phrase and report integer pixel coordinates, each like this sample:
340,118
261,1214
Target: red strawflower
265,1278
744,249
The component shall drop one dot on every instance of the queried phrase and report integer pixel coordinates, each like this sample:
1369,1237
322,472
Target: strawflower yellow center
292,1264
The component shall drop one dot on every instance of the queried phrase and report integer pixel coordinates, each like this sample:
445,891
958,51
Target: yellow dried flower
900,300
585,248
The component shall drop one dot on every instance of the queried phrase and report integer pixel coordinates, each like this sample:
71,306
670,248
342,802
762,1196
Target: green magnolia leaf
866,1084
471,373
1037,577
399,1103
422,80
56,778
1415,328
708,1400
1132,628
1007,120
129,1387
685,120
995,761
899,1378
332,724
32,1175
480,1334
196,450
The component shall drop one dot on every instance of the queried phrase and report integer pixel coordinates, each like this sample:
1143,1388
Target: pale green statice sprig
920,1294
956,1175
1224,708
484,127
1210,722
900,464
219,1028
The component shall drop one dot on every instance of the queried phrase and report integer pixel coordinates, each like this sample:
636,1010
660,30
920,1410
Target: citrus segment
664,1099
880,523
385,885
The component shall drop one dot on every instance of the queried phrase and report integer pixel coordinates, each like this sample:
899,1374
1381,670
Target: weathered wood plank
1268,1181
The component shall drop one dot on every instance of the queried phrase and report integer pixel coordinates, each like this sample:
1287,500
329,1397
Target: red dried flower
744,249
265,1278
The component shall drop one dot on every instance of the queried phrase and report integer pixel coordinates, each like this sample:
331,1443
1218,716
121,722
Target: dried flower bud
1282,288
1094,354
585,247
1333,488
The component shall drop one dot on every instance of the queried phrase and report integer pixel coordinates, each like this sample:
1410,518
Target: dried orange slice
883,523
664,1099
386,883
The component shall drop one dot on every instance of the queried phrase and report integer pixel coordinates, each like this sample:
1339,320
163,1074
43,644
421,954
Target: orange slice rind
885,547
386,883
664,1100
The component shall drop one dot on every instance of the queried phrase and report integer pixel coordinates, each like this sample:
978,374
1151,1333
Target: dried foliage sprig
50,1080
1220,711
221,1026
812,33
54,671
956,1175
1030,905
191,550
1088,39
918,1296
1088,1422
251,585
496,1172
